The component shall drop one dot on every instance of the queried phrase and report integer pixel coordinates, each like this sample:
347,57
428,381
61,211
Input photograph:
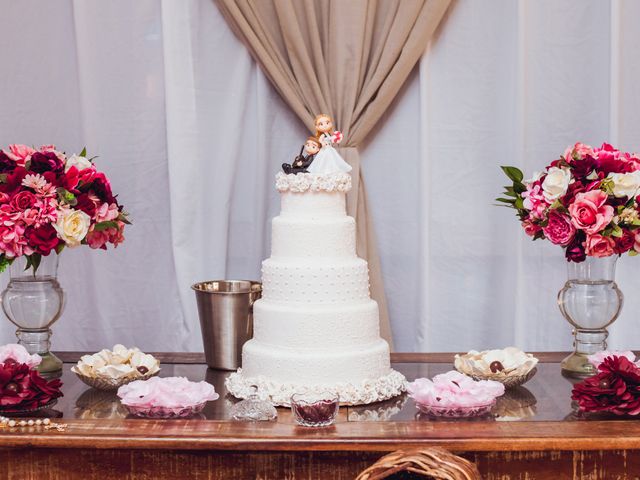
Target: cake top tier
310,182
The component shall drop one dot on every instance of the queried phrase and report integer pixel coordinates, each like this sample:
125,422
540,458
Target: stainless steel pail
225,308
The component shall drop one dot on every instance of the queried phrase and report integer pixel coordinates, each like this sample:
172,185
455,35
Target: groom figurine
303,160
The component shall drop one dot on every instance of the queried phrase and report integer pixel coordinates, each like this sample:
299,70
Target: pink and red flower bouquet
587,202
49,201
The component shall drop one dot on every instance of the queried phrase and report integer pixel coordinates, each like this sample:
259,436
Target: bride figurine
327,160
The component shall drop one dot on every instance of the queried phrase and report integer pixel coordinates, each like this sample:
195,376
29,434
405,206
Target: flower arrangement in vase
587,202
48,202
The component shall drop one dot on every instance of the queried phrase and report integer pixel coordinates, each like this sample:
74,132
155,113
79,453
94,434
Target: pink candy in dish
171,397
454,395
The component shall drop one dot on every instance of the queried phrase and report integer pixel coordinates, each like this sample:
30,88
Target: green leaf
519,203
617,231
60,248
83,153
36,258
513,173
3,177
506,200
4,263
66,196
632,253
123,217
105,225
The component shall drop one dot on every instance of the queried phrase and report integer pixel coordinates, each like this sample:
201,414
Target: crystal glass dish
165,412
456,412
315,410
110,384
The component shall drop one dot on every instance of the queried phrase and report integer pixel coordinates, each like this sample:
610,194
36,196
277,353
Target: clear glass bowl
315,410
165,412
456,412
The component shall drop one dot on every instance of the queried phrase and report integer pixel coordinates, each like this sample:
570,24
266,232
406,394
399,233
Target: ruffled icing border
304,182
368,391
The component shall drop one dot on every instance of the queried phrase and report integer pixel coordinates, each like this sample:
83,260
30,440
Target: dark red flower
624,243
43,239
24,388
6,164
85,204
70,179
607,163
615,388
575,250
14,181
42,162
582,168
102,188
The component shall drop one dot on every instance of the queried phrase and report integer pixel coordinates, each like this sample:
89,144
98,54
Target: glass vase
33,301
590,301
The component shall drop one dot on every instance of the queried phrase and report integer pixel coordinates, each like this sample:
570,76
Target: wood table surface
535,433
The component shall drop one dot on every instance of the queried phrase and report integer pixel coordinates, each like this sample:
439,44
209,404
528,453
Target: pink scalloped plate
165,412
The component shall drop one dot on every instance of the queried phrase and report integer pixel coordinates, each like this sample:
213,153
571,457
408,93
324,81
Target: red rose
625,243
85,204
559,229
23,200
615,388
14,180
43,239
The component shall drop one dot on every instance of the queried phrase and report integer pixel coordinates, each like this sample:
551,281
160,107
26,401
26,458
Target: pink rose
559,229
589,211
21,153
597,358
580,149
636,244
599,246
530,228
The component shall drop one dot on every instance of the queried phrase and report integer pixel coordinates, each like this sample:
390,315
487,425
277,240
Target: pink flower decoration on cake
454,390
169,392
18,354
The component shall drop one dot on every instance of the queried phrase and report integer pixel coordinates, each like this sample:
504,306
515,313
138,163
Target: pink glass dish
165,412
456,411
311,410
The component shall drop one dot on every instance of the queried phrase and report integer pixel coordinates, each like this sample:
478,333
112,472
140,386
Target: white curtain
191,134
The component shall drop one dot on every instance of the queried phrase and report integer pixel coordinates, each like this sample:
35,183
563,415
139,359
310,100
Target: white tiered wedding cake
316,327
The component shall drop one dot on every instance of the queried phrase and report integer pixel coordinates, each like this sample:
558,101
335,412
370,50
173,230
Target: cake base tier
356,393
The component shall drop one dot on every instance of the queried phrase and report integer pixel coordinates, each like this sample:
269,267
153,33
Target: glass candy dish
510,366
254,408
170,397
315,410
456,411
163,412
108,370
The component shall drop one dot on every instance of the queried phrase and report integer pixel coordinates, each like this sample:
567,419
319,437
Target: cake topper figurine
327,160
300,164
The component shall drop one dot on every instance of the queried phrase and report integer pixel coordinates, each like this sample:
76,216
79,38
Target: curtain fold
347,59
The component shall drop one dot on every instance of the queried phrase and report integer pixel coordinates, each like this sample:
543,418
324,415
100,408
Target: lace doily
303,182
368,391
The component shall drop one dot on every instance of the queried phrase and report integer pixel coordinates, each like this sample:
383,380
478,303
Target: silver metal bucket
225,308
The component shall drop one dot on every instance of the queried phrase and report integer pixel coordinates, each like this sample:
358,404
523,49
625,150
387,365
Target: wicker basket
434,463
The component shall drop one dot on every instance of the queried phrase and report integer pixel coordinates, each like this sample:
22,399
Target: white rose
72,226
77,161
556,183
625,184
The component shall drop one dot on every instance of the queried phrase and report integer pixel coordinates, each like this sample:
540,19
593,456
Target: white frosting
310,182
297,327
316,327
317,281
298,237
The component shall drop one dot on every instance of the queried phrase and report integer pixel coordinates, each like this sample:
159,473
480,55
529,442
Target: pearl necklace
46,423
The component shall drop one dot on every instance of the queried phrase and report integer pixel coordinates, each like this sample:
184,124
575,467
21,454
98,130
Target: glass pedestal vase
33,301
590,301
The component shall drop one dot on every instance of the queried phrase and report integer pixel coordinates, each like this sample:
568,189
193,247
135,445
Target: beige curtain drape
347,58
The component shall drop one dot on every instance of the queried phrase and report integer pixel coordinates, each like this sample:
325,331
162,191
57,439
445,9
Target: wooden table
536,435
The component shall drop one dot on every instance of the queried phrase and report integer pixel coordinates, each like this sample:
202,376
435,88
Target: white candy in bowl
510,366
110,369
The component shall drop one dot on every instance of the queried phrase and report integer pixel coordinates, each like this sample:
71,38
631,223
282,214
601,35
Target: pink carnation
19,354
13,242
455,390
107,212
589,211
599,246
559,229
20,153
